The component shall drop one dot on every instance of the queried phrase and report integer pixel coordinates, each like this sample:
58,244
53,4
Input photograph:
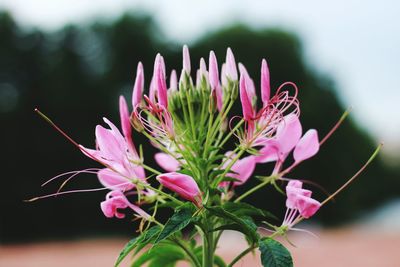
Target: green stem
254,189
192,257
150,169
241,255
241,152
177,201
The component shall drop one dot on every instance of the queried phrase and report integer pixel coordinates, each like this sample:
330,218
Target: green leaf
147,237
243,226
165,254
241,209
219,261
142,240
179,220
274,254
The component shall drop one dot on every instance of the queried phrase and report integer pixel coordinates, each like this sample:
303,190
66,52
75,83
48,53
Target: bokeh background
72,59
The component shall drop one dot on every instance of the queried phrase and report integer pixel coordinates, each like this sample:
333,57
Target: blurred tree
75,76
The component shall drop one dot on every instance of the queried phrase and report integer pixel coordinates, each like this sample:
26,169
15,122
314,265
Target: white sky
356,42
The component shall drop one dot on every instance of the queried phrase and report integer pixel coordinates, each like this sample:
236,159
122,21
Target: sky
357,43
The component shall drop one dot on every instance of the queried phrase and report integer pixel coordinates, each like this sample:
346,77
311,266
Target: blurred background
72,59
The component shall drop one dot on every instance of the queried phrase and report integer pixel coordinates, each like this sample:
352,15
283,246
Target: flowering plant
191,124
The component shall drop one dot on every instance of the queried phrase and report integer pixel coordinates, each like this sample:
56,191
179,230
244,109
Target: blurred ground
342,247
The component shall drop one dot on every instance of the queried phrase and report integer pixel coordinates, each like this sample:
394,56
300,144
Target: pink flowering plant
190,122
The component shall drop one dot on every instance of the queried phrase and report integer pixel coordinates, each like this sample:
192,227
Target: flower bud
138,87
231,70
186,59
182,184
265,83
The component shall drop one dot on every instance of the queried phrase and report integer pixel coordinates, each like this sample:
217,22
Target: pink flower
299,203
287,138
138,87
116,200
167,162
115,152
182,184
240,170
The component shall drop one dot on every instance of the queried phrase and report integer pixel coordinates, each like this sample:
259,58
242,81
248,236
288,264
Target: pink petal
295,184
138,87
186,59
265,83
243,169
307,206
231,70
288,133
269,152
293,195
167,162
113,180
109,146
117,200
307,147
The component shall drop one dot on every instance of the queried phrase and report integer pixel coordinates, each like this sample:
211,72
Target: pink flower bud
159,80
167,162
173,81
307,147
224,80
265,83
124,116
231,70
245,98
138,87
203,69
182,184
213,71
186,59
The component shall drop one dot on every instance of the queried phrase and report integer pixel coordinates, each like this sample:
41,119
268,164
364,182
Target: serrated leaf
147,237
179,220
244,226
242,208
142,240
274,254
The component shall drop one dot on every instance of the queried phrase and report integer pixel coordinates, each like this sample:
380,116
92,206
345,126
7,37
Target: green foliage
164,254
138,243
246,226
179,220
274,254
